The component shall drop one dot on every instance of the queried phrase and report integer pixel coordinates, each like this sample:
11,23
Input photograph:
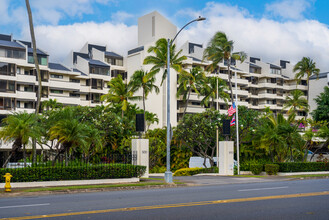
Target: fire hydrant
7,185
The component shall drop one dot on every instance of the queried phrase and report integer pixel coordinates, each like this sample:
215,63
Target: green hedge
256,169
272,169
194,171
303,167
104,171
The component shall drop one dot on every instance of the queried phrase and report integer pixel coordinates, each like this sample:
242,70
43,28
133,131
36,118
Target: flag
233,121
231,110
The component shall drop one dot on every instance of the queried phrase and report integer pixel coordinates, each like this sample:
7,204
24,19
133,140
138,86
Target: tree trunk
230,78
35,57
188,98
7,160
24,155
144,109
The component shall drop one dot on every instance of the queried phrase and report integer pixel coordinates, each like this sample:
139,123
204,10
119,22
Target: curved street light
168,173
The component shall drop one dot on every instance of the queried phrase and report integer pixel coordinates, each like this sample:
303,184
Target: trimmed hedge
103,171
194,171
256,169
303,167
272,169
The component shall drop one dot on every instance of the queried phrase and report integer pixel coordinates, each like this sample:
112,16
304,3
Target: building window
56,91
56,76
74,80
28,88
42,60
275,71
99,70
7,69
12,53
74,95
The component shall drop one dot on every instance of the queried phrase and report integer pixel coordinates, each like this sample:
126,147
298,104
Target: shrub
256,169
272,169
194,171
303,166
158,169
102,171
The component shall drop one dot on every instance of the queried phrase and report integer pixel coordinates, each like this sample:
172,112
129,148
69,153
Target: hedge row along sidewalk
103,171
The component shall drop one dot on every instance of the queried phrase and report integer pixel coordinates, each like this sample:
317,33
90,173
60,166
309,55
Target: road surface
298,199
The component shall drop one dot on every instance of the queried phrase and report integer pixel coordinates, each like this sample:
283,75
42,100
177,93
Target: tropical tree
51,104
151,118
19,128
145,80
119,93
188,82
321,113
36,62
296,102
159,58
220,48
210,88
306,68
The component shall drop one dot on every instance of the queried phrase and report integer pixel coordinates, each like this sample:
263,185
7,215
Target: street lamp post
168,173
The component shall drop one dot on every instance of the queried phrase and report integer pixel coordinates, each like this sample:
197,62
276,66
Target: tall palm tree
296,102
188,82
210,89
36,62
119,93
19,128
145,80
220,48
159,58
306,67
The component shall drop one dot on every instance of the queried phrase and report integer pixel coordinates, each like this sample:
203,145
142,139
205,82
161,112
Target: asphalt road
299,199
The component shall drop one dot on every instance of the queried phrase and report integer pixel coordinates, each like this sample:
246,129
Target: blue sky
273,30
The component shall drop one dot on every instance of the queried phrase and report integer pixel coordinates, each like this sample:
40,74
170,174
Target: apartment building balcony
271,106
84,102
254,107
27,110
293,87
26,78
253,85
85,89
267,95
64,85
191,109
243,103
8,94
241,92
254,96
26,95
100,76
267,85
66,100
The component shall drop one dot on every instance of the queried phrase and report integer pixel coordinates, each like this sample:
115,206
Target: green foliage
271,169
321,113
303,167
256,169
103,171
158,57
296,102
194,171
245,164
158,169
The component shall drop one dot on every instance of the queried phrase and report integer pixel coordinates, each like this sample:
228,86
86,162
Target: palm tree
35,57
296,102
143,79
188,82
119,93
19,128
51,104
159,59
151,118
209,90
220,48
306,67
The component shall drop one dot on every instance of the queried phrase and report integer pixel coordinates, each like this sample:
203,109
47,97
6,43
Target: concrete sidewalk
70,183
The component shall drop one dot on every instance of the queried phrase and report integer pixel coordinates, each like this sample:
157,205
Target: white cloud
288,9
121,17
58,41
265,38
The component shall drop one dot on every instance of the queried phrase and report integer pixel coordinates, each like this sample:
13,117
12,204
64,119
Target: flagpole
237,123
217,144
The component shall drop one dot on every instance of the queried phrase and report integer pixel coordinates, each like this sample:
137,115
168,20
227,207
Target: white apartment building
83,77
80,82
317,85
259,84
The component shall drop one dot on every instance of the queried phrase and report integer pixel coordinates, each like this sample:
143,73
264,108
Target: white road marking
21,206
282,187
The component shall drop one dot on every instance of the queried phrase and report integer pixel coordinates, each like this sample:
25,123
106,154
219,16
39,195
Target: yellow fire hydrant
7,185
